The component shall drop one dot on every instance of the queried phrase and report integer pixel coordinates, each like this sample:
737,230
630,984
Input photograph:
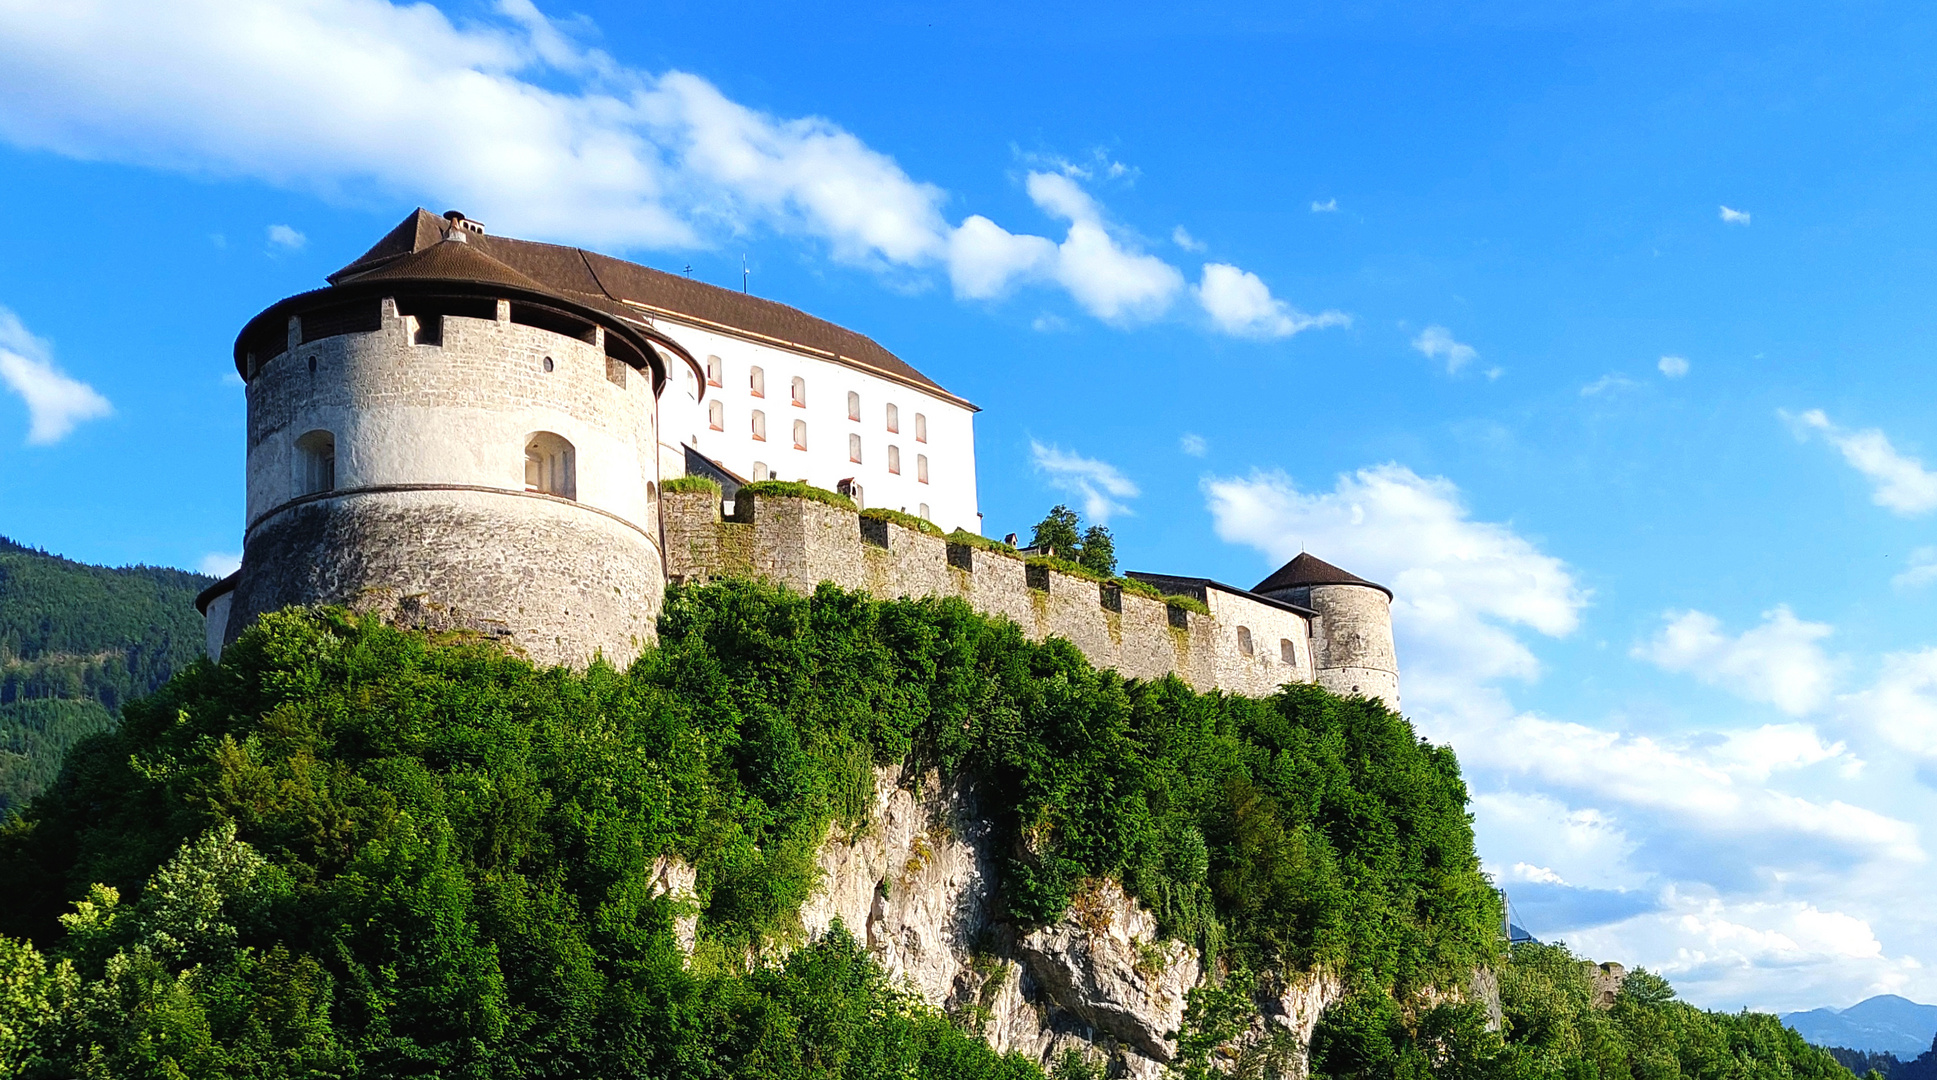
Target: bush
794,489
695,484
907,521
1188,603
1064,566
980,542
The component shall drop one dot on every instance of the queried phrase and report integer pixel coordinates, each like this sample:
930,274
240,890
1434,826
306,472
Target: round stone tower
1352,651
443,441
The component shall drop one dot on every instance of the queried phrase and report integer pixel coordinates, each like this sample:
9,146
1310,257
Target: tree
1098,551
1059,530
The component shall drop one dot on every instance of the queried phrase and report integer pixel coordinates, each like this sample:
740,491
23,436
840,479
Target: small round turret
1352,649
439,438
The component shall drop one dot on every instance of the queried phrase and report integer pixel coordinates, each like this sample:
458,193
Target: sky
1599,331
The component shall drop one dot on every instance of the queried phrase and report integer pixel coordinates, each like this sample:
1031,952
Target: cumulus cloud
220,563
1194,445
512,120
1735,217
1673,367
1898,481
1329,206
1779,662
1097,483
286,238
1462,587
55,401
1437,343
1922,570
1241,305
1900,706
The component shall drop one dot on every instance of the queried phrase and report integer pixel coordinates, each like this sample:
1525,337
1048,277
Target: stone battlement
800,543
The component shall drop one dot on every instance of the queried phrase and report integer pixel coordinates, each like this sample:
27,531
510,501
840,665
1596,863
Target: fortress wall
799,543
1264,671
560,581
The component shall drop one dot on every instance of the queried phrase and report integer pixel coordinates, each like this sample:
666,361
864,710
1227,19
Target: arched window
757,382
759,426
921,427
315,463
692,382
760,471
894,459
894,418
924,511
1286,653
551,466
652,493
853,406
713,369
854,448
1244,640
716,415
800,434
921,468
800,392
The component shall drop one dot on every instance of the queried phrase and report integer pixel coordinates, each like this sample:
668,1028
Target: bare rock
1105,963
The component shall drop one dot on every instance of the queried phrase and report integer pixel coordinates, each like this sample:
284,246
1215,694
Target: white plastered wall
1265,670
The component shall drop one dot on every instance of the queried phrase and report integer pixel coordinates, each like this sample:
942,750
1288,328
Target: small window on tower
1244,640
551,467
921,427
894,459
716,415
854,448
757,382
853,405
1286,653
713,369
921,468
800,392
894,419
800,434
759,426
316,463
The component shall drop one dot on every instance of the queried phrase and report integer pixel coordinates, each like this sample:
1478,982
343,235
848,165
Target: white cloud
1185,240
1922,570
1901,705
1735,217
1673,366
1606,383
1461,586
1539,875
1779,662
1899,482
1438,344
55,401
1194,445
510,119
1329,206
1097,483
286,238
1242,306
220,563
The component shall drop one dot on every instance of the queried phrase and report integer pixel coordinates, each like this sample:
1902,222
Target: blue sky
1598,330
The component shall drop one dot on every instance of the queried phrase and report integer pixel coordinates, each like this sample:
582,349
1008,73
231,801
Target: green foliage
1064,566
694,484
1555,1030
794,489
907,521
76,641
979,542
1098,551
1138,587
1188,603
1061,531
359,850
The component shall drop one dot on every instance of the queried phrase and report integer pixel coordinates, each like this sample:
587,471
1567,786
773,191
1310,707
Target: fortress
470,431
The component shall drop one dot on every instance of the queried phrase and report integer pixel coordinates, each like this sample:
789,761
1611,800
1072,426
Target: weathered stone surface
671,876
1106,963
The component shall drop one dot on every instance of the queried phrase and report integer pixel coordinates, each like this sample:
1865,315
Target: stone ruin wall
800,543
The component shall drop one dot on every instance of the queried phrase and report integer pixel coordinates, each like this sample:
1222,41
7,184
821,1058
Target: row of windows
716,419
797,394
1285,652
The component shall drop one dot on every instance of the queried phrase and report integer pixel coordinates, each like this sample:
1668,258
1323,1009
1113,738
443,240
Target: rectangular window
800,434
921,427
854,448
800,392
757,382
759,426
853,406
894,419
716,415
713,370
921,468
760,470
894,459
924,511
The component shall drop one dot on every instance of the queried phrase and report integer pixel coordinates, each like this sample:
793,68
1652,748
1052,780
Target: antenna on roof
743,272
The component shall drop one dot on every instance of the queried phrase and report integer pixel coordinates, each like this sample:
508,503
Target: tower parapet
445,440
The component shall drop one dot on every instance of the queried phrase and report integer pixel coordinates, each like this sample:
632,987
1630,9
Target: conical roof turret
1307,570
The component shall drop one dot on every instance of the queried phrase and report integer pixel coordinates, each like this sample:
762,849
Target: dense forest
350,850
1888,1066
76,642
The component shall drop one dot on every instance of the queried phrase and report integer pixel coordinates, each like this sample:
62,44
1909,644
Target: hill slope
1884,1024
76,641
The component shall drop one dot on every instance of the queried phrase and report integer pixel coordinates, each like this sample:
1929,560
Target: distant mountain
75,642
1882,1024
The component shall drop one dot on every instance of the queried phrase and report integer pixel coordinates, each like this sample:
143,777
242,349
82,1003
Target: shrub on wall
794,489
907,521
695,484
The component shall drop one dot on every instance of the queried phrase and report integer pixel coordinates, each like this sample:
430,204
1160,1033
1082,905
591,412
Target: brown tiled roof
1310,570
621,287
454,261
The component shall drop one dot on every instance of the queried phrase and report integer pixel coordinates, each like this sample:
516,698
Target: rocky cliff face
917,885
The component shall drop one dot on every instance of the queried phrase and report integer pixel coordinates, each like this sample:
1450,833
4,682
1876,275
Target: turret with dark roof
1307,570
